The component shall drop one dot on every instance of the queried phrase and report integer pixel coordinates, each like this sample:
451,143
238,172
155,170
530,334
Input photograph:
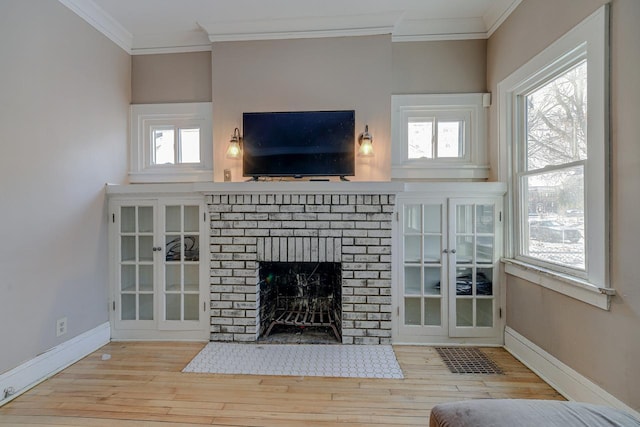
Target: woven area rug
361,361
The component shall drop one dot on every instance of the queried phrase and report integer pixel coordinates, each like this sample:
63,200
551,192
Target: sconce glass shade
366,143
234,151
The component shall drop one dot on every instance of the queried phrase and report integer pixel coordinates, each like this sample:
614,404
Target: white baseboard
49,363
571,384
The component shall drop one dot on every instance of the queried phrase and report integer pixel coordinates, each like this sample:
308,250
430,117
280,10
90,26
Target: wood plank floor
141,385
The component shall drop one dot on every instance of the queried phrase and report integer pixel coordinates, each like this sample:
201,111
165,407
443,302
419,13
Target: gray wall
177,77
602,345
456,66
305,74
327,73
63,113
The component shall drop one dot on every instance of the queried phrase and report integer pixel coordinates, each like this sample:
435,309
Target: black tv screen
298,144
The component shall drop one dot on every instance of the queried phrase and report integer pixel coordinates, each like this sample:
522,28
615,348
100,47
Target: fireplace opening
300,298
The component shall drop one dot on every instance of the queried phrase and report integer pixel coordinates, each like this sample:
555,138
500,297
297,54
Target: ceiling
162,26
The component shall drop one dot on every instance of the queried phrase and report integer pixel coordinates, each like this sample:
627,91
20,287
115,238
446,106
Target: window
551,174
171,145
171,142
554,121
438,137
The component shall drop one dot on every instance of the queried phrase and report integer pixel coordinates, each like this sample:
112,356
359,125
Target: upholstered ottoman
527,413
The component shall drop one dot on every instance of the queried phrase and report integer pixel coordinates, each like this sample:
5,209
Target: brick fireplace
353,230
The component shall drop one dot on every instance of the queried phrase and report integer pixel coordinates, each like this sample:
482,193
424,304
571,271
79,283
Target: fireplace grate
467,360
306,317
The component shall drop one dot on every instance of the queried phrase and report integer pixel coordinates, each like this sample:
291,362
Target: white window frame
469,108
147,117
588,40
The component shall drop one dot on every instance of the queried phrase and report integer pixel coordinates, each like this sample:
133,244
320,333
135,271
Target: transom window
435,138
439,136
171,142
171,145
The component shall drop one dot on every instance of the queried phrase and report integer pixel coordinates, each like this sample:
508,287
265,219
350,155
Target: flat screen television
298,144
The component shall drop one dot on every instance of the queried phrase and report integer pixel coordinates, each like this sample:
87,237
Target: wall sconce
234,151
366,143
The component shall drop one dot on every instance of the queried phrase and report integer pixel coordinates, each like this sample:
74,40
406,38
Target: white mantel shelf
306,187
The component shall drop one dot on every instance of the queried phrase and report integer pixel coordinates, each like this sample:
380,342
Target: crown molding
498,14
101,21
426,29
302,27
402,27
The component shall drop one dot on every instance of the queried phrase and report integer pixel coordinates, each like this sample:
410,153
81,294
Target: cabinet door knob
157,248
453,251
445,251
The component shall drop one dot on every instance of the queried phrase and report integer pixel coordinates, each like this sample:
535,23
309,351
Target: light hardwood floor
141,385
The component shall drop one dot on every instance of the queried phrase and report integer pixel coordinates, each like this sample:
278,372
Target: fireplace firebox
300,295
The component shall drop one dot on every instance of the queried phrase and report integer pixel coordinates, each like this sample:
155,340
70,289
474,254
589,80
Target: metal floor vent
467,360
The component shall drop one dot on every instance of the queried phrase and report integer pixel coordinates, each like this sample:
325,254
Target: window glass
163,140
190,145
556,226
557,120
554,176
420,139
450,139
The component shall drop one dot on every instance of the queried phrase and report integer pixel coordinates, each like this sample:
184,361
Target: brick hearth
353,229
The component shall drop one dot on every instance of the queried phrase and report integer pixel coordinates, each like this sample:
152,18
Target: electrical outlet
227,175
61,326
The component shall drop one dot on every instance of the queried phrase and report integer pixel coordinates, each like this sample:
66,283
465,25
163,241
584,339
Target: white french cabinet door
423,301
182,304
474,251
159,269
447,271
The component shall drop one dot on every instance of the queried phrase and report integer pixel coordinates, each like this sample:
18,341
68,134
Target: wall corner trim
571,384
34,371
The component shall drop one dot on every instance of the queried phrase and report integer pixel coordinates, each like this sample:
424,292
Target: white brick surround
353,229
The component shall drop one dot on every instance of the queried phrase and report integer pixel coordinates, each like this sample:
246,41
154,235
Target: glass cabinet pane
191,278
484,250
191,248
145,280
432,249
412,281
432,219
191,307
432,312
412,248
484,281
146,306
412,219
464,281
191,219
145,248
172,278
464,312
127,248
145,219
173,219
432,281
128,278
484,219
173,248
127,219
464,249
484,312
464,219
173,307
412,314
128,306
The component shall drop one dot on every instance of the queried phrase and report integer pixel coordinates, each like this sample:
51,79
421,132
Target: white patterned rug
360,361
